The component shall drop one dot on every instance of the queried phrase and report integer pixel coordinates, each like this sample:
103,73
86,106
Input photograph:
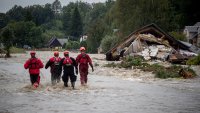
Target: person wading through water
68,64
82,60
34,64
55,68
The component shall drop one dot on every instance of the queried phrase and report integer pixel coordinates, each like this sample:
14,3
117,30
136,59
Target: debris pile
156,49
151,42
150,47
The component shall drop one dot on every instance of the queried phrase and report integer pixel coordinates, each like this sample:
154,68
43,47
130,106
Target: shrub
194,61
130,61
172,72
152,68
166,74
178,35
159,70
72,45
169,72
108,42
17,50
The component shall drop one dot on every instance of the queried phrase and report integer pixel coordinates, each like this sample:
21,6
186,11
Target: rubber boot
65,84
73,85
53,82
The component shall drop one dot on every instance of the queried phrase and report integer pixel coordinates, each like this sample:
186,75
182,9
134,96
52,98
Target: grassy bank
15,50
159,70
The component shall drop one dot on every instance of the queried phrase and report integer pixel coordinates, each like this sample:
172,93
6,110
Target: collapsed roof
153,29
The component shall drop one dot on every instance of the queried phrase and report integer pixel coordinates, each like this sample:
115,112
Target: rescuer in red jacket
83,60
34,64
55,69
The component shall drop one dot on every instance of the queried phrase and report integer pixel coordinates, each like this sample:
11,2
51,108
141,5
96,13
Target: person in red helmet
55,69
83,60
34,64
68,64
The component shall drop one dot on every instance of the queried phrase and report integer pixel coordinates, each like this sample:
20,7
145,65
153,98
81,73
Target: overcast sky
5,5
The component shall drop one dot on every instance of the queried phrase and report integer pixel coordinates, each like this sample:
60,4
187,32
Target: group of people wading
68,64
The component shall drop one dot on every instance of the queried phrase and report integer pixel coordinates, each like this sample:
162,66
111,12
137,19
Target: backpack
34,64
67,61
56,61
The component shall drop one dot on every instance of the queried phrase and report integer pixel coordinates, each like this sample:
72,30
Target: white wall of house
198,40
192,34
83,38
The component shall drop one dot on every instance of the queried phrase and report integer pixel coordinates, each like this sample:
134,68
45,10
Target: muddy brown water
104,94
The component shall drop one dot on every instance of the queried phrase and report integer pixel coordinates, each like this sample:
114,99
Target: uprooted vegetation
160,71
194,61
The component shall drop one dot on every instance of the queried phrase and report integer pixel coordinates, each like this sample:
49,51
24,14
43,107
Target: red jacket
34,65
83,59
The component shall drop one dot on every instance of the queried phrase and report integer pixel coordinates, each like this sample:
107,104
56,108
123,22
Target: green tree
66,18
26,33
56,25
98,12
186,12
98,24
38,14
84,9
72,45
108,42
96,33
76,27
7,36
35,38
133,14
3,20
21,32
16,13
83,44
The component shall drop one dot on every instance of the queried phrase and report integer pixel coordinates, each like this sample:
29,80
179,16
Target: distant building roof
55,42
192,28
62,41
197,24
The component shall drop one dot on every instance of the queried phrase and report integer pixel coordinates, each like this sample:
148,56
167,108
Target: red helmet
32,52
66,52
82,49
56,53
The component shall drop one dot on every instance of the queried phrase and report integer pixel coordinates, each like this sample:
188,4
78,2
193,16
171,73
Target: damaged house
193,34
151,42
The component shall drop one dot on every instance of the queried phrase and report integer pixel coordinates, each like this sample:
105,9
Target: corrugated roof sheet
192,28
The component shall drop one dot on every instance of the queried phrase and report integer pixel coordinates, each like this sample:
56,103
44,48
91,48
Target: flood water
104,94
